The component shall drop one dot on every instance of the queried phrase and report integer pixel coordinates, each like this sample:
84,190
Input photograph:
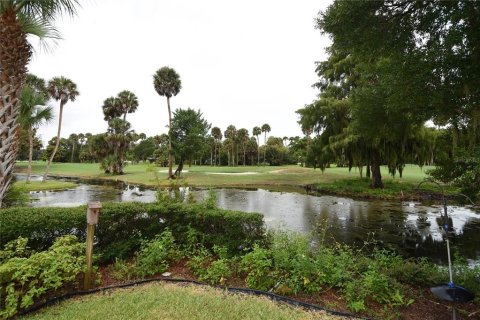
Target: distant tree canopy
392,66
189,135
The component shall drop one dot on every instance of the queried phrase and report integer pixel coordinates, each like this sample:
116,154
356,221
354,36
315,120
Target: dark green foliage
123,226
462,170
24,277
144,149
212,268
291,265
189,131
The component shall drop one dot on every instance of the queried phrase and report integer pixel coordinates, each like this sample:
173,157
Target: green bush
24,279
123,226
257,265
214,271
155,255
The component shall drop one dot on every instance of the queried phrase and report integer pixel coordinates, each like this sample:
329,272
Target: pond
411,228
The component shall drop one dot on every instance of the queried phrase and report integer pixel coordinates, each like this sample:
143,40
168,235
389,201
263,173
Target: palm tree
128,102
257,132
18,19
231,133
63,90
111,109
217,135
73,139
242,136
167,83
265,128
32,114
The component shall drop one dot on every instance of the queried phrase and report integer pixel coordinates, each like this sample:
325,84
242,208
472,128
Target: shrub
24,279
204,265
258,267
155,255
123,226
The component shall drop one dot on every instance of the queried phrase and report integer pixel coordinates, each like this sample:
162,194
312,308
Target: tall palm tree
231,133
257,132
63,90
265,128
167,83
217,135
18,19
242,136
111,108
32,114
128,102
73,139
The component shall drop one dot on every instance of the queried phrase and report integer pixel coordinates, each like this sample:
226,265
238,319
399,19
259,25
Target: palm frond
46,9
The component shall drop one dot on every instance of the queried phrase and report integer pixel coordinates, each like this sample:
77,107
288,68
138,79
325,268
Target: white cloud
242,63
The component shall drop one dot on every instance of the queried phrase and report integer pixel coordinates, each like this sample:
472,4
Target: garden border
269,295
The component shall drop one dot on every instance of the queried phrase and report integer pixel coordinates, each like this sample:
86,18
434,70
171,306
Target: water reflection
411,228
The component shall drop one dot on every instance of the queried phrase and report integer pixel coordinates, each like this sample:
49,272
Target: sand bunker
233,173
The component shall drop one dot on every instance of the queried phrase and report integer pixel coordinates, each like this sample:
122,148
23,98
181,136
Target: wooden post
93,211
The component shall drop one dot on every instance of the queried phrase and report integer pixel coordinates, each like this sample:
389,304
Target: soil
424,307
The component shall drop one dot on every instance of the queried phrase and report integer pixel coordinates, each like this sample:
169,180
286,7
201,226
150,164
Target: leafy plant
210,201
258,267
155,255
15,249
24,279
123,270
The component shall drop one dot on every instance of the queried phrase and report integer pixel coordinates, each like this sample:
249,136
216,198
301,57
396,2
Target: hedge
122,226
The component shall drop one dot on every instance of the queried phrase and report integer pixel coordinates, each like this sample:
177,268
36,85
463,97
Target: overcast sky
241,62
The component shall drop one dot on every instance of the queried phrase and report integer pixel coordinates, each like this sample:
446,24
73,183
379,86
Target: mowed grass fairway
168,301
207,176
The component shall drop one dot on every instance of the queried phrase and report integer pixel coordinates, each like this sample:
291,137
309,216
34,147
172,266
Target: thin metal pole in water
450,284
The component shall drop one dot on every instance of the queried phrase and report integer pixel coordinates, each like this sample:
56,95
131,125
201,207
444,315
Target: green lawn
331,180
43,186
167,301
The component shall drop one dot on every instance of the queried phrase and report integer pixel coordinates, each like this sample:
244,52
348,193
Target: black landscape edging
270,295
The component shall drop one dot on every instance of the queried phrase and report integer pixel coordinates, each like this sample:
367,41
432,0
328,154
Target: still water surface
411,228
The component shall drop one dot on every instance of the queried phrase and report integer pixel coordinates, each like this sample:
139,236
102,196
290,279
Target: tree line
394,70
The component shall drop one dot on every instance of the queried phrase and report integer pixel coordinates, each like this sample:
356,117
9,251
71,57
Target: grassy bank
332,180
43,186
167,301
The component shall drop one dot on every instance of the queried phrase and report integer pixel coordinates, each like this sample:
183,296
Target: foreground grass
167,301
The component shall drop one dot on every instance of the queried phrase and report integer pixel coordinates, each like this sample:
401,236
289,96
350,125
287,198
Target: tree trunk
57,142
15,53
215,155
170,151
368,174
265,149
73,151
120,162
244,156
30,153
376,174
178,172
